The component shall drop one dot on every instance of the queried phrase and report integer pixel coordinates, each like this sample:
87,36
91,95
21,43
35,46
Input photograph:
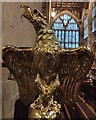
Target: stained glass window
85,27
66,31
94,18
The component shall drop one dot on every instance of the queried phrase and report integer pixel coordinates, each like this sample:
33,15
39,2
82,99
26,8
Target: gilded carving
47,75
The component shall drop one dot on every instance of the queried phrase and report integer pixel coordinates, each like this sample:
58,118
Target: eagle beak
27,11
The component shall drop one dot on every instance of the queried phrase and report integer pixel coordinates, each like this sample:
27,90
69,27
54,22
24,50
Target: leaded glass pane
70,36
68,17
65,24
62,36
77,36
58,21
60,26
55,26
66,36
59,36
66,45
72,21
77,28
62,17
94,12
65,16
72,26
56,33
73,45
65,21
62,45
69,45
77,45
73,36
68,27
86,27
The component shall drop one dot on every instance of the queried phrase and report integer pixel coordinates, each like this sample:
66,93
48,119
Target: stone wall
18,33
0,60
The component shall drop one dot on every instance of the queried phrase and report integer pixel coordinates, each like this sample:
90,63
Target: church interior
74,26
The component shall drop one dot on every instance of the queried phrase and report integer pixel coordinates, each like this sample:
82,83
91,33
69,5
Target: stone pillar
82,27
0,60
45,9
90,24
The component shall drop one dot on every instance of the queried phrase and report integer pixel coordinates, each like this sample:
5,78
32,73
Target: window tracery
66,31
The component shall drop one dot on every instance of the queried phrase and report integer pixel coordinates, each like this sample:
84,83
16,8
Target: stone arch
66,12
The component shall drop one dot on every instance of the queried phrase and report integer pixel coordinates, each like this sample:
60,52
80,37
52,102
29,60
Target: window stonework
66,31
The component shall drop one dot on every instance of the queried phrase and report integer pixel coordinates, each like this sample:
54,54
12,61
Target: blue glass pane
77,36
55,25
73,27
62,17
70,36
94,11
59,38
65,15
73,36
69,45
93,25
73,45
58,20
59,33
71,33
56,33
65,21
72,21
77,45
60,26
68,17
86,27
68,27
62,45
77,28
62,36
66,45
66,36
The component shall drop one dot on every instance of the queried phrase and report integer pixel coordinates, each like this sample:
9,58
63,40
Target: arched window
66,31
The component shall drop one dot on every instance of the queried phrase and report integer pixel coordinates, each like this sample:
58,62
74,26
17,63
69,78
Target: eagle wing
20,63
73,68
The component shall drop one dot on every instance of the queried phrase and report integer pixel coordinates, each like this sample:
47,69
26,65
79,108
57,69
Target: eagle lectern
47,75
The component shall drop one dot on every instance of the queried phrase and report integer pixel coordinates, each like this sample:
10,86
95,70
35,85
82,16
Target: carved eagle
47,58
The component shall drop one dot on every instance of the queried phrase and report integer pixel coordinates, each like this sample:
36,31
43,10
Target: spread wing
73,67
20,63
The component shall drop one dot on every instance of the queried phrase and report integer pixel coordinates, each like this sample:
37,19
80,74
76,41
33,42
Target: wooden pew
79,110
